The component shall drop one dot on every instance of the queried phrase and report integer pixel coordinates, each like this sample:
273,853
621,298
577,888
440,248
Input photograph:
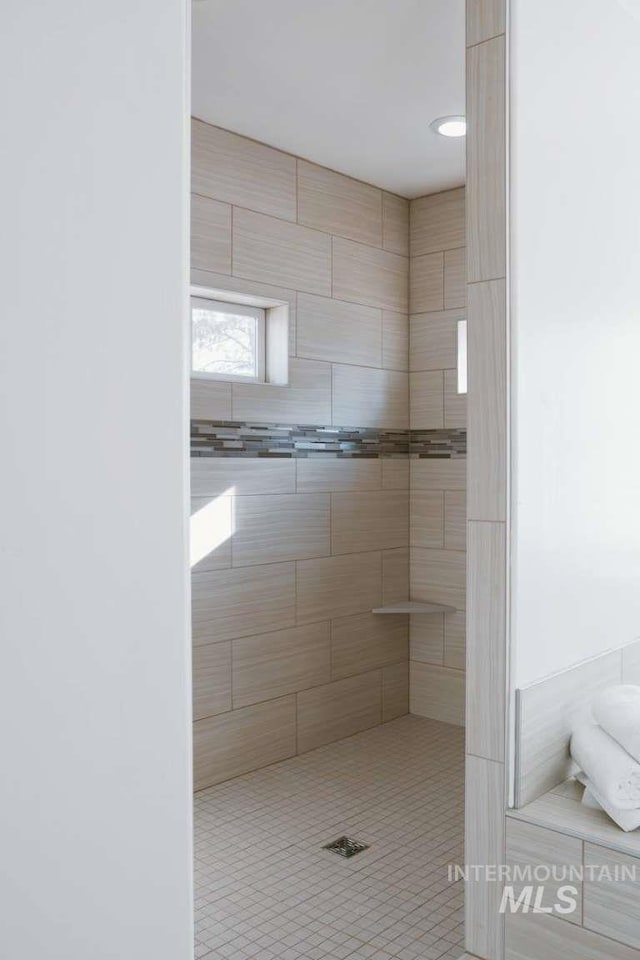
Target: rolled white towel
627,820
614,774
617,710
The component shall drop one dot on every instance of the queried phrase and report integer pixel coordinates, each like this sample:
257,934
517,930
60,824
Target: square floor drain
346,847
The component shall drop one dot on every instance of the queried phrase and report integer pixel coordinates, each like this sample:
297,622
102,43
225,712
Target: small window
227,340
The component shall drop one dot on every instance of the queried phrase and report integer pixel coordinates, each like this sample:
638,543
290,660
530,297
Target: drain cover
346,847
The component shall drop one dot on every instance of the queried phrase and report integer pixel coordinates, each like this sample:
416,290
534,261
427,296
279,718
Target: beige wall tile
234,743
214,476
426,395
395,340
436,692
530,936
455,404
437,222
434,339
395,474
369,521
334,330
395,691
272,665
211,680
395,576
274,528
366,642
210,235
486,161
455,520
485,19
366,397
438,576
326,476
338,586
610,906
226,166
545,711
426,638
434,474
426,528
274,251
395,224
338,204
210,400
487,401
454,640
426,283
455,280
366,275
486,641
338,710
306,399
210,532
484,843
240,602
531,847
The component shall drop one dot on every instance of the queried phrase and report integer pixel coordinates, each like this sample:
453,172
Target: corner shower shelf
413,606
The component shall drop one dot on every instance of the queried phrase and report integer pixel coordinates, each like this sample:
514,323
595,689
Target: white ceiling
350,84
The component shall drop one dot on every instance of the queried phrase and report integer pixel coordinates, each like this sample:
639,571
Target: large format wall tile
487,410
455,520
210,235
214,476
306,399
455,286
426,638
427,518
395,576
486,640
367,275
270,529
234,743
339,710
369,521
395,474
486,161
338,586
434,339
211,680
226,166
531,847
395,224
366,642
530,936
455,404
438,576
317,475
395,340
239,602
210,399
210,532
334,330
436,692
338,204
485,19
434,474
370,398
426,289
426,392
275,251
611,906
438,222
455,625
485,844
395,691
271,665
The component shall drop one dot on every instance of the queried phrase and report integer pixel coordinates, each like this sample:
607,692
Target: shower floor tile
266,888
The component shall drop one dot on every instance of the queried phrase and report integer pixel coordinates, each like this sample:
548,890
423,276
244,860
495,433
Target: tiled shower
336,494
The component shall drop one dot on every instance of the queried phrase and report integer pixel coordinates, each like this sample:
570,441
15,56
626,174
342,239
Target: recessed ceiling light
450,126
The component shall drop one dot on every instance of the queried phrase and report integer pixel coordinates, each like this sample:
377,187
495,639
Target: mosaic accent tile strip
222,438
439,444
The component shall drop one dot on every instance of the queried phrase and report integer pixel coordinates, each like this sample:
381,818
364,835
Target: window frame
239,309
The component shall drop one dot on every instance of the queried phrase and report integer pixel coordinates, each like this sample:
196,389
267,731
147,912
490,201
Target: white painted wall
575,220
95,822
